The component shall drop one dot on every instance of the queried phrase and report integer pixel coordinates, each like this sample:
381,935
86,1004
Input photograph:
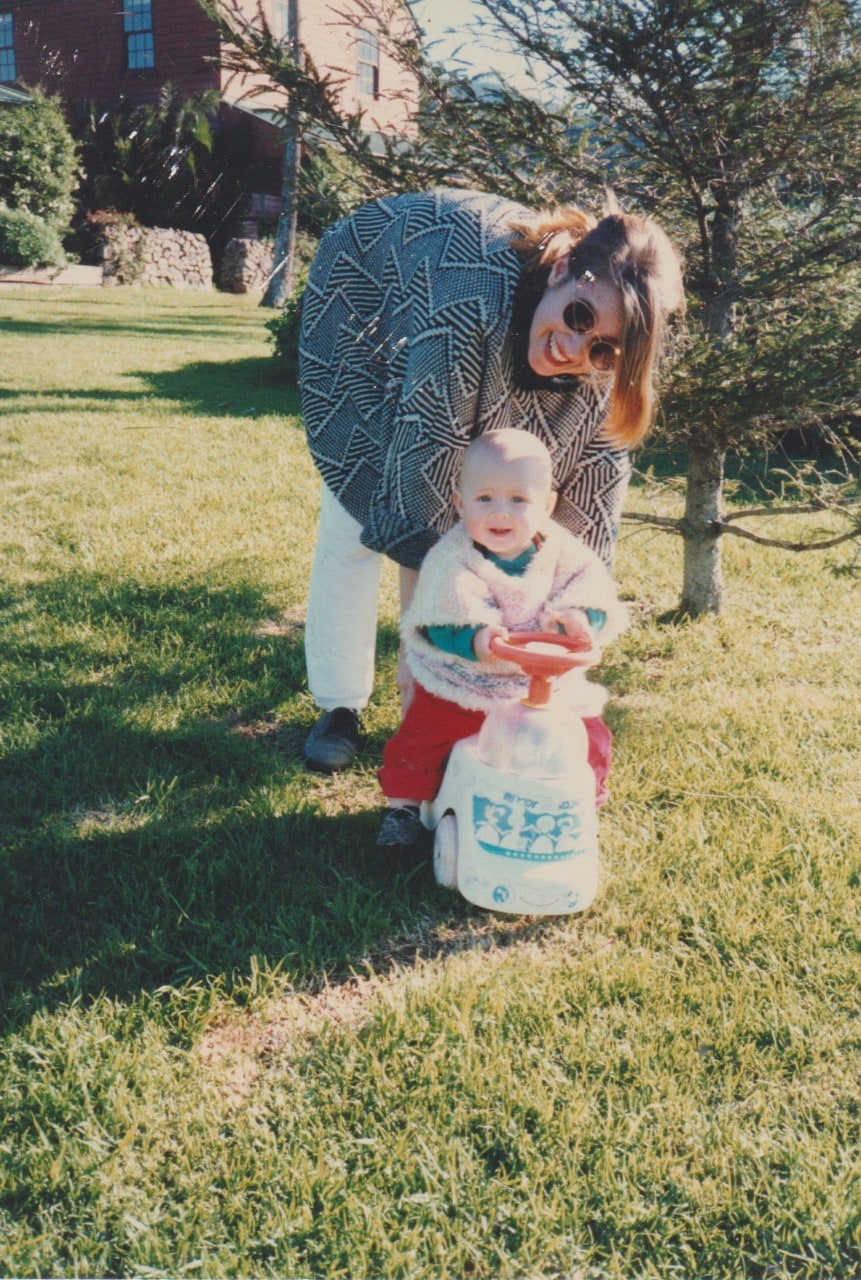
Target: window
368,63
7,47
281,20
137,22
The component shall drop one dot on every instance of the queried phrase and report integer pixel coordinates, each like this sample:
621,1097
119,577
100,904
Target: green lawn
233,1043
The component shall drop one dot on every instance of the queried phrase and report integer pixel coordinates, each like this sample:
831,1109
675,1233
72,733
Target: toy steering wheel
543,655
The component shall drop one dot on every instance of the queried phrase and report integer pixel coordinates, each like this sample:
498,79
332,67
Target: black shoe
401,830
333,742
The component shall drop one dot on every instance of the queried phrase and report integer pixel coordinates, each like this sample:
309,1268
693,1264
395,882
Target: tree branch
787,510
670,523
677,525
721,526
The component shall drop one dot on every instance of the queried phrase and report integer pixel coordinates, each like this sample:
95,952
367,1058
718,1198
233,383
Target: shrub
284,328
171,163
27,240
330,188
38,161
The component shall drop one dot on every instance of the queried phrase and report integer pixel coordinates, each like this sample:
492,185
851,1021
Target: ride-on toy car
515,823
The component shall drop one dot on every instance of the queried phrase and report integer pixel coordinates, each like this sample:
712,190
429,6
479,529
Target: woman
427,320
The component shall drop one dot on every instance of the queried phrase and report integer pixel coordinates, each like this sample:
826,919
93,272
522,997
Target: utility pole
280,286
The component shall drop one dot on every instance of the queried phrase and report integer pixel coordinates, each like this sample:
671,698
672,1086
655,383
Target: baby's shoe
401,829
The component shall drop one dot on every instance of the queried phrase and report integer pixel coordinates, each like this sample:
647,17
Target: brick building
103,51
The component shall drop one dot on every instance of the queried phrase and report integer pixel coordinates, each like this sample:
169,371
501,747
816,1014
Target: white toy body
515,821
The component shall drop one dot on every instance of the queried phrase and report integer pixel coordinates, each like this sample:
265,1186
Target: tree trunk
280,286
702,587
702,590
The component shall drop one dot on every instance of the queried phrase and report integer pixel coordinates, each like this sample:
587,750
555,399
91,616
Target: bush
330,188
284,326
284,329
28,241
38,161
171,163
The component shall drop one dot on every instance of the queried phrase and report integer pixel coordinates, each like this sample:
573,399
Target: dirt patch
235,1053
289,623
228,1056
303,1016
267,729
126,817
269,732
641,610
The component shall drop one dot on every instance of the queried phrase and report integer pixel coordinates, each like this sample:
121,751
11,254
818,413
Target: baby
505,567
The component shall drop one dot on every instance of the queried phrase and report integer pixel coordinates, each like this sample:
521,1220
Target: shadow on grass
178,900
139,856
245,387
171,327
253,387
110,314
156,821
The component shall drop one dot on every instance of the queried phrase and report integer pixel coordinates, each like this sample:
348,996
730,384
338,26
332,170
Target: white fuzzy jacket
458,586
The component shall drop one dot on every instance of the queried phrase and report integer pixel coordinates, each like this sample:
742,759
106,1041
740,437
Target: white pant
341,620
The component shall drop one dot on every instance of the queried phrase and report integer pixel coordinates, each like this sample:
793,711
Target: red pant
414,759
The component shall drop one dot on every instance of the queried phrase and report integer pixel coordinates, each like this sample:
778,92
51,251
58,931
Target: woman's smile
555,354
556,348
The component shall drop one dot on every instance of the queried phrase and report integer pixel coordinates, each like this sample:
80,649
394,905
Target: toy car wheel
445,852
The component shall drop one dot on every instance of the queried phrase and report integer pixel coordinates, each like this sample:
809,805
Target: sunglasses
580,318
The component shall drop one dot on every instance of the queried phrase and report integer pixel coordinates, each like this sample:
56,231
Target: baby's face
504,502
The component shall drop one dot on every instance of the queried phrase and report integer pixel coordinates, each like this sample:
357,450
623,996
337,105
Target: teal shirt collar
517,567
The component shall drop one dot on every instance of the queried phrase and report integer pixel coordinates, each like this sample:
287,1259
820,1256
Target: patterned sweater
406,354
458,586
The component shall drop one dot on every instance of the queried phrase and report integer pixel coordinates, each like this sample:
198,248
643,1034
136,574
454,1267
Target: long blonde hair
636,255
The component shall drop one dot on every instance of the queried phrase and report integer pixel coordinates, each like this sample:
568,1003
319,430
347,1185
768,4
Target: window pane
281,20
7,47
141,51
368,46
367,80
137,15
368,62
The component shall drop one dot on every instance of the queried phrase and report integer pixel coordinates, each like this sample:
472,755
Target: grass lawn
233,1045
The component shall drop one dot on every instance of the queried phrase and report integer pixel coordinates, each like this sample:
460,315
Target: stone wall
245,266
156,256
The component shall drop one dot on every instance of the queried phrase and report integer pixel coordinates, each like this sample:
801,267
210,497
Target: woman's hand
481,643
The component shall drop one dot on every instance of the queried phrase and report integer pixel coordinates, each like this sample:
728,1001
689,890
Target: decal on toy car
514,827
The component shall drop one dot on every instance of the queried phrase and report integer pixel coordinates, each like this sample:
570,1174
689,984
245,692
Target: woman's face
554,347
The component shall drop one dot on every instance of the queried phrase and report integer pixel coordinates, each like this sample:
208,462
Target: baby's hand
481,643
574,623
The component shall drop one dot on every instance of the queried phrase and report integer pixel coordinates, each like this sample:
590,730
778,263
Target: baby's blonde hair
509,445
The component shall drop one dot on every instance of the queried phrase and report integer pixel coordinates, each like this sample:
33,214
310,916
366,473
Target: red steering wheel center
542,656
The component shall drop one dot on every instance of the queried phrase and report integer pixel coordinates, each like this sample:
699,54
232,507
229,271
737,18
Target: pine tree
738,125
